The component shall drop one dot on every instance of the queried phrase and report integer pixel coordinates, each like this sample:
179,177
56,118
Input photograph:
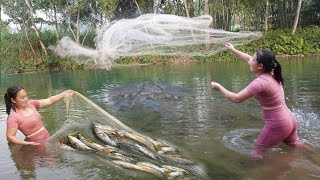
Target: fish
129,146
121,156
147,152
166,170
66,147
121,102
116,155
140,139
166,149
160,169
104,128
126,91
173,168
112,148
178,159
93,145
78,144
102,135
153,105
149,88
158,146
109,131
137,167
174,172
176,91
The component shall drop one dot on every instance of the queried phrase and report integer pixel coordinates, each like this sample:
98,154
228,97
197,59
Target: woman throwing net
267,88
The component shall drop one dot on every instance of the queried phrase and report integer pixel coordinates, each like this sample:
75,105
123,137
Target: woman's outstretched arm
53,99
239,54
234,97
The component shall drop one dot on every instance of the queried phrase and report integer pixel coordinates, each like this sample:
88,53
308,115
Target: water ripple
236,140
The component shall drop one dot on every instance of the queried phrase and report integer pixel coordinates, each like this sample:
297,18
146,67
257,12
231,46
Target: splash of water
308,128
153,34
235,140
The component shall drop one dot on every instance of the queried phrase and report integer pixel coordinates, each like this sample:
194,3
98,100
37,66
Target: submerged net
131,150
153,34
81,113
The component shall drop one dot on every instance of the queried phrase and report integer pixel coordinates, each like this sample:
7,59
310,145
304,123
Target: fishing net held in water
153,34
90,128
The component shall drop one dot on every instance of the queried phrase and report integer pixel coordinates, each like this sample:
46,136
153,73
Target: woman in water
267,88
23,115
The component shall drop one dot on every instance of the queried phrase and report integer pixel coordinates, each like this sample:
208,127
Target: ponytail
270,64
8,102
11,93
277,72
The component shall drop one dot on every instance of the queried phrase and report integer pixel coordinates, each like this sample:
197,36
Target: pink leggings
271,136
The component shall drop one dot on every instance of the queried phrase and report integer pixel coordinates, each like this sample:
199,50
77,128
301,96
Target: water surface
204,125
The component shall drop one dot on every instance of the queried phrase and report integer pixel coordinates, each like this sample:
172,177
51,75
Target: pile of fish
132,151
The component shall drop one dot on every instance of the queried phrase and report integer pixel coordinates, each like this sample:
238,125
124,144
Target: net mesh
83,114
153,34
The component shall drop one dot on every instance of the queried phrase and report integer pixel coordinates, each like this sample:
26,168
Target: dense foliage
25,35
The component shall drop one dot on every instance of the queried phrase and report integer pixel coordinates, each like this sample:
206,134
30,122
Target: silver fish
121,156
66,147
105,128
178,159
78,144
147,152
140,139
137,167
166,170
91,144
166,149
162,170
173,168
103,136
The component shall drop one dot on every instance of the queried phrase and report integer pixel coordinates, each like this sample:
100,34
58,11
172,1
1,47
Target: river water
205,126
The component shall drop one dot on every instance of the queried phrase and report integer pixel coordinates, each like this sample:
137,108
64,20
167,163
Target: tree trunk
266,17
186,7
84,38
35,28
206,12
27,36
135,1
206,7
56,22
223,18
70,28
296,19
155,6
78,26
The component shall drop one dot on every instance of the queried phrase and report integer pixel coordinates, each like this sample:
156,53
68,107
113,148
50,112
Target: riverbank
18,58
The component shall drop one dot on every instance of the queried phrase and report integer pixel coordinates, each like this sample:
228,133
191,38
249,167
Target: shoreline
179,60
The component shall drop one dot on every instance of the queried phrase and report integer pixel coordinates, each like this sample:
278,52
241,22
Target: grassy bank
17,55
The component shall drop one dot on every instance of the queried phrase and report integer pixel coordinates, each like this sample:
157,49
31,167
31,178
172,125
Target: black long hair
268,59
11,93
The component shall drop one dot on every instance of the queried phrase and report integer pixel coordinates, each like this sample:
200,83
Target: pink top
270,94
26,124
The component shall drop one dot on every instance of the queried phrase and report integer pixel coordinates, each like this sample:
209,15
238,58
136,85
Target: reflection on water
210,129
28,158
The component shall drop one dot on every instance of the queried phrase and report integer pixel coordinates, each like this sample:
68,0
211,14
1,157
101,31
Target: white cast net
153,34
130,149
